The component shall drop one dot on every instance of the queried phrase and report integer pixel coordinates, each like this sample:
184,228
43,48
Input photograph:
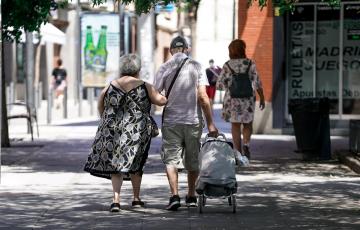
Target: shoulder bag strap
176,75
171,85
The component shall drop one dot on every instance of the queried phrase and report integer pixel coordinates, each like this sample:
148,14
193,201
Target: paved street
43,187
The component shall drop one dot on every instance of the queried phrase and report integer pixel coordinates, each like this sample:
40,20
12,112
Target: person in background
212,74
239,101
123,137
182,118
59,83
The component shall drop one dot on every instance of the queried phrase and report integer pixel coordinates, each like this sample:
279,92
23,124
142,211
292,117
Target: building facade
311,52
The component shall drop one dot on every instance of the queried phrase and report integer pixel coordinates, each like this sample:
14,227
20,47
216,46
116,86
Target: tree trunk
5,142
193,27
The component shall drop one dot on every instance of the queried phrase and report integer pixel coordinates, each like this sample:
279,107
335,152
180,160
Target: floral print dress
123,137
238,110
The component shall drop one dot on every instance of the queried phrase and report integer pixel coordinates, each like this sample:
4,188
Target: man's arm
206,108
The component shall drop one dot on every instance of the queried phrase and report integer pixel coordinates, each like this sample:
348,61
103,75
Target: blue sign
161,8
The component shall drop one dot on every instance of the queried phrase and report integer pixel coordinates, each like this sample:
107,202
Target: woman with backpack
239,78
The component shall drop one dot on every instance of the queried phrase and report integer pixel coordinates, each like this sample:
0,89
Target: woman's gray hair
130,64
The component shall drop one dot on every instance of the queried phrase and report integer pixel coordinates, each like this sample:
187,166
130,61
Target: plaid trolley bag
217,178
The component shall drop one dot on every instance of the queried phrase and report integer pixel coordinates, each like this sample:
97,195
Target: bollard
49,105
12,92
40,89
90,96
65,103
36,97
8,101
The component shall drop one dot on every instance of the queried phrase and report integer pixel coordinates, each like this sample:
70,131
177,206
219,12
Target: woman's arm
262,98
101,106
222,81
155,97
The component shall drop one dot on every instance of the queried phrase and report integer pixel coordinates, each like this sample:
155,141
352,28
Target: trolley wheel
233,202
201,203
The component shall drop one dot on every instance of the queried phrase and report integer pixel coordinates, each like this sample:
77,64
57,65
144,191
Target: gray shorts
181,146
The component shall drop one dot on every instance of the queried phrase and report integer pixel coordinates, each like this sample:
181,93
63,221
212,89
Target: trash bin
354,136
311,123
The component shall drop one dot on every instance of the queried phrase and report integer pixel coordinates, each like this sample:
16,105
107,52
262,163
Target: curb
349,159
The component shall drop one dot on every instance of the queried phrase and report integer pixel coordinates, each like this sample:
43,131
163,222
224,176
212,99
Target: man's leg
192,177
192,148
172,175
171,156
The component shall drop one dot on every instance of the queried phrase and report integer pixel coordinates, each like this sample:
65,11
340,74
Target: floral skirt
238,110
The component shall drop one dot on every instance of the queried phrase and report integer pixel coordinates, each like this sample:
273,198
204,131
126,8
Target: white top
182,106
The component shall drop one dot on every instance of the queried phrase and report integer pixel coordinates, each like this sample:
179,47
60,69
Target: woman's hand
262,104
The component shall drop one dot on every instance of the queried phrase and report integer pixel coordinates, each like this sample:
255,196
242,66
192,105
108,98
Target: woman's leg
236,135
247,131
116,180
136,183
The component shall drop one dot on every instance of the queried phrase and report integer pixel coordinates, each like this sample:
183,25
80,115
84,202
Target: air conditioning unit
354,136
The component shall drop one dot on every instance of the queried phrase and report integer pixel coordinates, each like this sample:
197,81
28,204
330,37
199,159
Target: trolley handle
220,136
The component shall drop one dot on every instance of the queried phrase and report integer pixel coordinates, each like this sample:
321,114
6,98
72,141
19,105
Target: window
323,49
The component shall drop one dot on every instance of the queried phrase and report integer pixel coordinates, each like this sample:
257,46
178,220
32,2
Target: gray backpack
241,86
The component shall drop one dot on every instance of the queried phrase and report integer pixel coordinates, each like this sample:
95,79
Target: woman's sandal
115,207
137,204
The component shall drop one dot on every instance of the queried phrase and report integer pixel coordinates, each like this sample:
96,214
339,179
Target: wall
256,28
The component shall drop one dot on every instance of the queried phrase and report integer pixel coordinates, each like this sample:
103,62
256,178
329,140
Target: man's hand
213,131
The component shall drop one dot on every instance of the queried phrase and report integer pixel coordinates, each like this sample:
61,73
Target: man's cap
178,41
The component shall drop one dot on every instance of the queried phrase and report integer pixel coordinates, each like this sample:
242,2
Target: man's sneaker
174,203
115,207
137,204
246,151
191,201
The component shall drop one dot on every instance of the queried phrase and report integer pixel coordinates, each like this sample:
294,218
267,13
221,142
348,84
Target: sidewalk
43,186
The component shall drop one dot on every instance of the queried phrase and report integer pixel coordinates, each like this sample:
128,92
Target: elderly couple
123,137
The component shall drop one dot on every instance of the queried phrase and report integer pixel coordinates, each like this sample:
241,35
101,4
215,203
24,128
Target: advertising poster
100,49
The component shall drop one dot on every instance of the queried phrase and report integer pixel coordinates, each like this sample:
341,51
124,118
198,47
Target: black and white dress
123,137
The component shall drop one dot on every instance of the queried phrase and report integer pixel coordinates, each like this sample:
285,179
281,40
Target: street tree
24,15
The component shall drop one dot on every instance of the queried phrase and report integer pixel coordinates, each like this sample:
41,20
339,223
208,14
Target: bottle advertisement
100,49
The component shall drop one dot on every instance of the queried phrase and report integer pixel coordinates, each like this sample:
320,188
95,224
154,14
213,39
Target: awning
49,33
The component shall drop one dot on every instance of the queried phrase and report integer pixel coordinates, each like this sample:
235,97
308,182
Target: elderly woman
123,137
239,79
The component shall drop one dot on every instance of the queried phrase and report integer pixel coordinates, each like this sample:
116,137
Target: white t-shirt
182,106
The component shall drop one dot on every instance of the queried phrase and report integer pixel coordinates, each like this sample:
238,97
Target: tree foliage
25,15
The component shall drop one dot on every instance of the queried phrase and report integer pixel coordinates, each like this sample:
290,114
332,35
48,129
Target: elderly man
184,83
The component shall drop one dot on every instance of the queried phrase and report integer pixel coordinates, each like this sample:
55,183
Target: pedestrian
239,78
212,74
58,82
184,84
123,137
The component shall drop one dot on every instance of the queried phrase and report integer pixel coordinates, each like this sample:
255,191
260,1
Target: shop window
351,59
20,62
327,55
300,52
323,53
